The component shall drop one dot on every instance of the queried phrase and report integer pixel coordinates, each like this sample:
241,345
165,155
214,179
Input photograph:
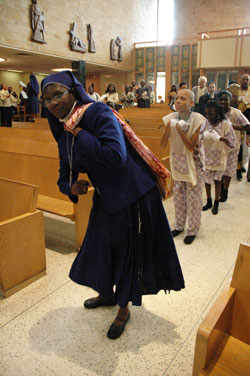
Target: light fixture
61,69
204,35
2,59
13,70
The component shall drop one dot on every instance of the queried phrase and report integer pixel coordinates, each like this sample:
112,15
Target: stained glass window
221,81
175,58
185,63
138,78
161,59
233,76
194,69
150,67
139,60
211,76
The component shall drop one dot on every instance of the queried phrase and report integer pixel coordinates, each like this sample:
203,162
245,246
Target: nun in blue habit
128,250
32,90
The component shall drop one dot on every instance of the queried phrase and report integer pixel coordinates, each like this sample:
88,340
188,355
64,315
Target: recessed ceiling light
61,69
13,70
2,59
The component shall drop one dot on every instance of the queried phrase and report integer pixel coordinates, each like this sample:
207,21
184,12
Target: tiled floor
45,330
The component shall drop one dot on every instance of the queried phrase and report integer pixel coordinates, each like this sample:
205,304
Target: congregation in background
141,96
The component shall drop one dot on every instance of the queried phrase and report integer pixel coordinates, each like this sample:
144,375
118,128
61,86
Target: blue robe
128,242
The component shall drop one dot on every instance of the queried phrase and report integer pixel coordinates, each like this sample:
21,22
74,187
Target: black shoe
208,205
223,195
243,169
98,302
248,179
189,239
239,175
216,207
176,232
115,331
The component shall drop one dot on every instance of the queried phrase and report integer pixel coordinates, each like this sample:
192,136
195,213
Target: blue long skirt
32,105
132,250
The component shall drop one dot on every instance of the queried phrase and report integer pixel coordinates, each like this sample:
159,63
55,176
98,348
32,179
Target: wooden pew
39,123
145,116
21,113
31,156
223,339
144,125
150,132
22,248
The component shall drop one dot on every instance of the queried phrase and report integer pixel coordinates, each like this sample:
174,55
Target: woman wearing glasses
128,243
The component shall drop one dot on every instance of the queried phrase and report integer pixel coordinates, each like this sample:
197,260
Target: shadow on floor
59,236
79,336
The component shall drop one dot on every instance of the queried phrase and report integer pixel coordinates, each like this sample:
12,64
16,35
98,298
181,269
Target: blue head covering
67,79
34,83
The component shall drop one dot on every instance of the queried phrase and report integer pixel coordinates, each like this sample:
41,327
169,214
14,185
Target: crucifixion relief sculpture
113,54
90,37
76,43
118,42
37,23
116,49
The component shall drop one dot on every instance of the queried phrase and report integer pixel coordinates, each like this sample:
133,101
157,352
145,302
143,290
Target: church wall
108,19
196,16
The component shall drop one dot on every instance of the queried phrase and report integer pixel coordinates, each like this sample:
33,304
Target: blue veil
67,79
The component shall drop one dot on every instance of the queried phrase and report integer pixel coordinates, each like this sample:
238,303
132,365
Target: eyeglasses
55,98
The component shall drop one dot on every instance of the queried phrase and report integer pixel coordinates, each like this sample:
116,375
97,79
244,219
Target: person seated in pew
128,242
110,97
143,95
187,163
128,97
93,95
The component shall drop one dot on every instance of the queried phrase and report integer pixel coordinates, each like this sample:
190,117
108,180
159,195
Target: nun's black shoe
115,331
189,239
98,302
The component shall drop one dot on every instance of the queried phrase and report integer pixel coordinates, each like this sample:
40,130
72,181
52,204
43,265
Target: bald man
187,163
